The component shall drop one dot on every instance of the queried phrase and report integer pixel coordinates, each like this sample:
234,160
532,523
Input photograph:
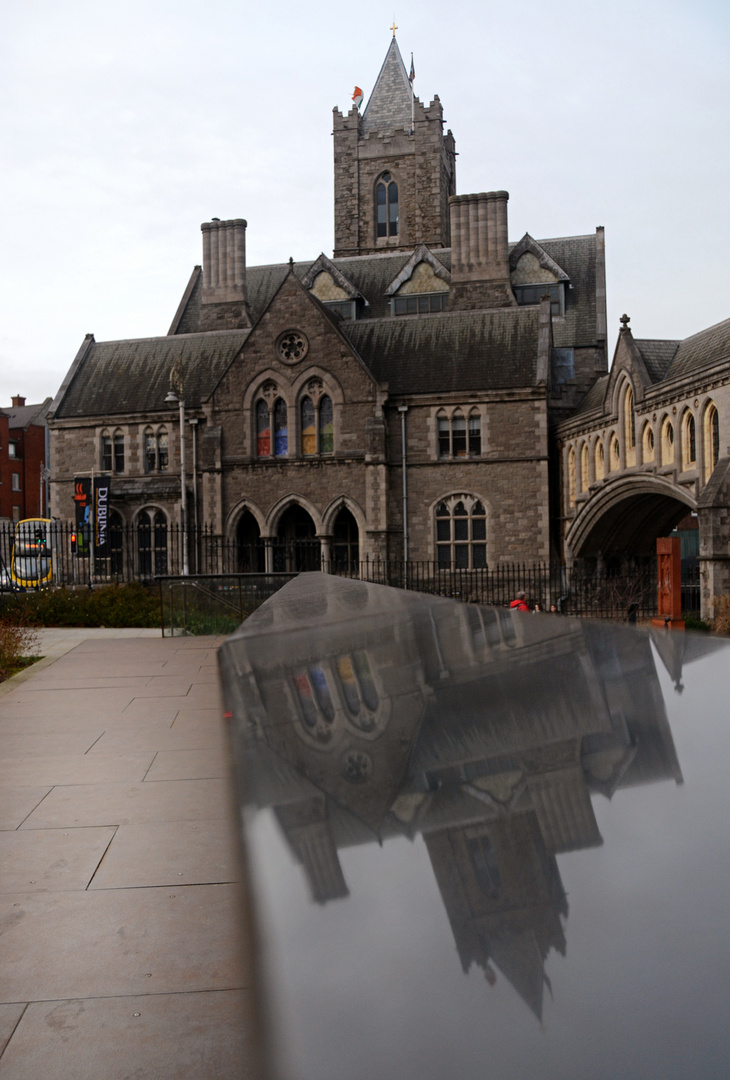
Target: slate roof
451,351
700,350
117,377
372,274
657,356
22,416
389,107
594,397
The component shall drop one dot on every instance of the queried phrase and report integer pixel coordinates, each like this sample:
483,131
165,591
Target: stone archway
623,520
250,550
296,547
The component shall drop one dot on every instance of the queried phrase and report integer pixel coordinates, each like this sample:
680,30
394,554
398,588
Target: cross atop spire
389,107
394,28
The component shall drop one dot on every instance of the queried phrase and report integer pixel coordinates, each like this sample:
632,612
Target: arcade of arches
295,545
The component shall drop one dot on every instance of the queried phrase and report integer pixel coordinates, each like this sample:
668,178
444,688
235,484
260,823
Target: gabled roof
657,356
115,377
389,107
421,254
450,351
325,265
527,244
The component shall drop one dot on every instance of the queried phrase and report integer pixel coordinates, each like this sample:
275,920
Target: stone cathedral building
400,398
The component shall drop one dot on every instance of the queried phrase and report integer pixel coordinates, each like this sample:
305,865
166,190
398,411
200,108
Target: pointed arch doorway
297,547
250,552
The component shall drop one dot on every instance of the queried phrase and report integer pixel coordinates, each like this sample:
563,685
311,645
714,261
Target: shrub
109,605
16,644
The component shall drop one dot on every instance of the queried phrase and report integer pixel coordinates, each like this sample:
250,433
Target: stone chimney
480,252
18,401
225,299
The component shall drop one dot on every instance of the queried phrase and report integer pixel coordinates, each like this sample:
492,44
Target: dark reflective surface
483,843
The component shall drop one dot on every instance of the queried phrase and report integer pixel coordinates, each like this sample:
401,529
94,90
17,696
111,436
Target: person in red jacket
520,603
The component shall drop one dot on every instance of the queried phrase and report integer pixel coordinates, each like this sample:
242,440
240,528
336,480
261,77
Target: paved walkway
121,946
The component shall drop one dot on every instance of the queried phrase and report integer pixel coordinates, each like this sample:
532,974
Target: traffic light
40,539
73,543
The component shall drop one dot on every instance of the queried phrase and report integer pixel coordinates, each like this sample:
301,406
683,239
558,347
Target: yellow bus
31,565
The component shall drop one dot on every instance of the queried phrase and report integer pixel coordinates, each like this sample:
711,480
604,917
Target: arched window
599,461
156,458
326,425
629,425
461,533
152,543
386,206
316,413
106,452
689,441
585,478
118,451
667,442
272,412
647,443
456,438
571,477
281,434
263,429
458,434
711,439
309,427
614,454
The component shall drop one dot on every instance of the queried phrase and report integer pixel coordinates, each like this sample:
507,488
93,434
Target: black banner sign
91,499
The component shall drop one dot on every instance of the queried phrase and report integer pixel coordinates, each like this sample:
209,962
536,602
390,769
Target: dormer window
419,304
345,309
386,204
533,294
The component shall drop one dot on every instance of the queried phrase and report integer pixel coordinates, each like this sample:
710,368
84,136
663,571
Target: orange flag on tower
357,97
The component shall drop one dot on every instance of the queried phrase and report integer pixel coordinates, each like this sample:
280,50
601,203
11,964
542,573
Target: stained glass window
263,429
326,425
281,435
309,431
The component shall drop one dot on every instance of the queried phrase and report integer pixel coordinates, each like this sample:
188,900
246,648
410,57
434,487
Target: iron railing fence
147,553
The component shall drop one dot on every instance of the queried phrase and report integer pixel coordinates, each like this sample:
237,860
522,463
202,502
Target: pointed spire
389,107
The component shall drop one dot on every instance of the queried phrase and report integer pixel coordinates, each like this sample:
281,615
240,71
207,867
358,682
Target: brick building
23,460
394,399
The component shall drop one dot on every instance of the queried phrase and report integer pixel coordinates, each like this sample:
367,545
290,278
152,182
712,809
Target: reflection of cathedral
364,712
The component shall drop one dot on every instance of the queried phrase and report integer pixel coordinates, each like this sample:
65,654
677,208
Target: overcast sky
123,126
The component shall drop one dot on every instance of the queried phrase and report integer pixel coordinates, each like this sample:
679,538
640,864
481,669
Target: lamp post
172,399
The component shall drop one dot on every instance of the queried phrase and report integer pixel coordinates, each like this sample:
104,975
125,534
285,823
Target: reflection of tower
364,712
504,898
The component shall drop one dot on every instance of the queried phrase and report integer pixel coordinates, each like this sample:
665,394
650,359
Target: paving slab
56,945
173,853
74,768
124,948
165,1037
57,859
16,803
130,804
188,764
9,1017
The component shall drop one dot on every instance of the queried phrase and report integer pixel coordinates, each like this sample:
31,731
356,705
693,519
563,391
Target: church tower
394,169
